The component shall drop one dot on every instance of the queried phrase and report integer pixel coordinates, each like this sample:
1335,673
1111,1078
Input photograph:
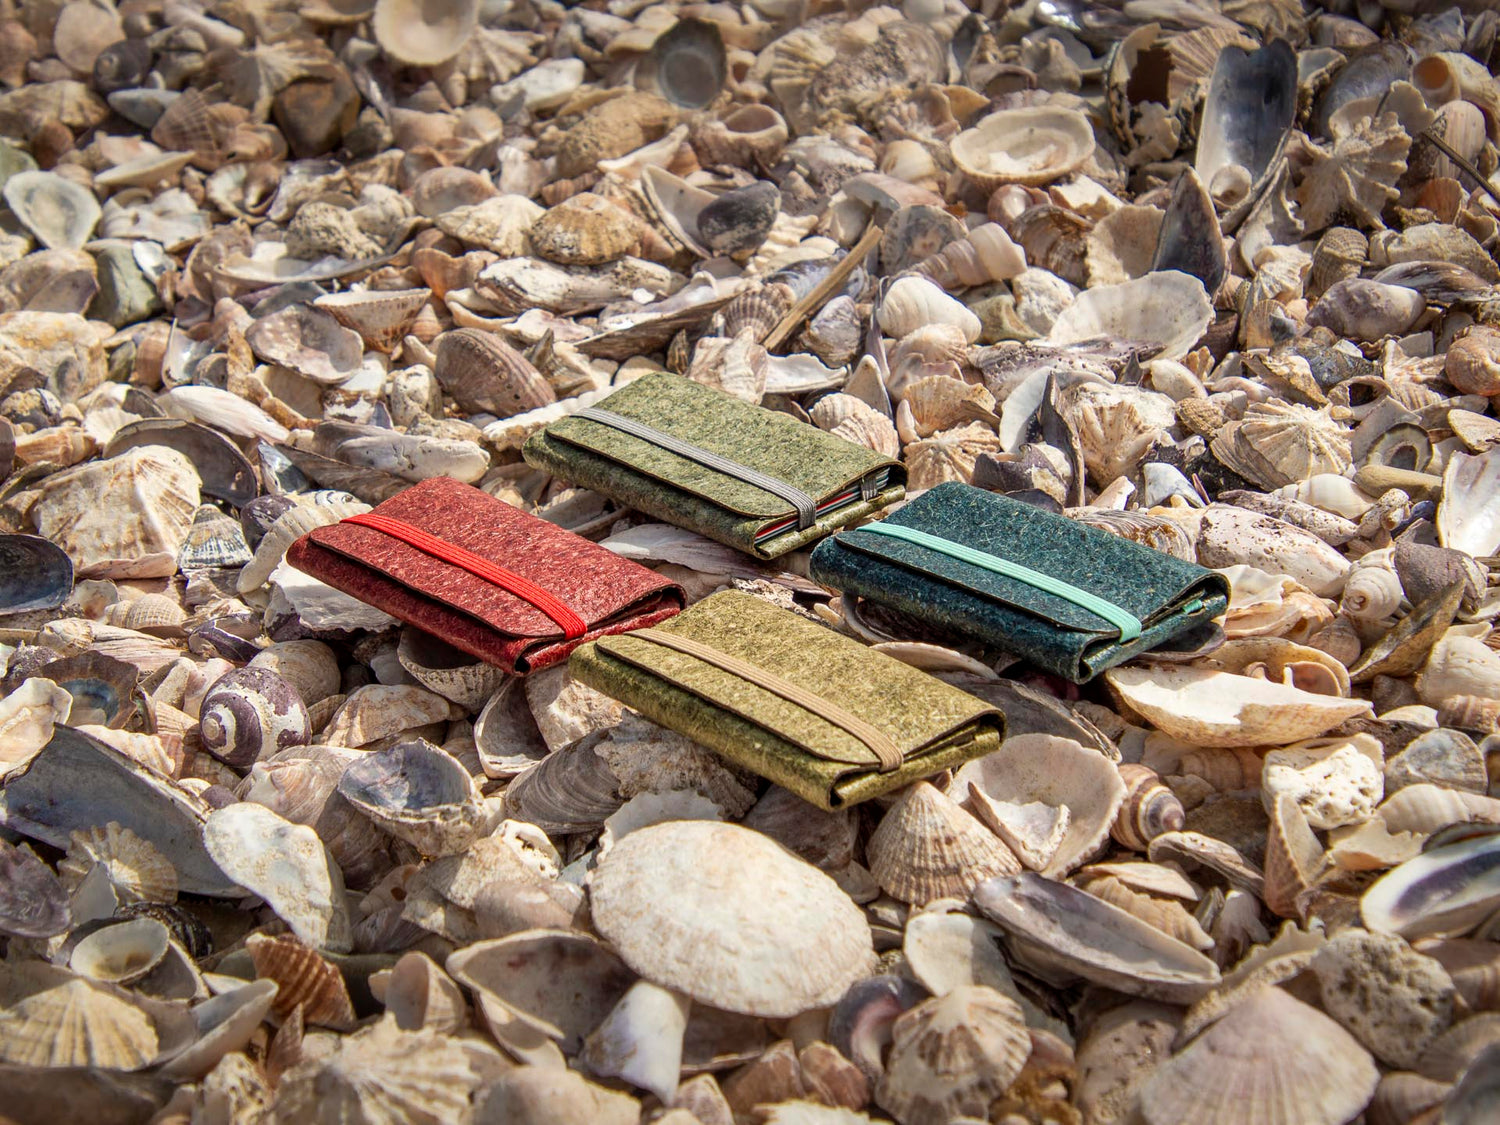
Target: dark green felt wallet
1067,597
755,479
812,710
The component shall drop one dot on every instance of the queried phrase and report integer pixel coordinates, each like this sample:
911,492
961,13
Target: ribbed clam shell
63,1021
1294,858
135,867
482,373
304,979
251,713
927,847
759,309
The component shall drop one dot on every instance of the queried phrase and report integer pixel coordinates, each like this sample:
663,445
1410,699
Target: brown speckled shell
482,373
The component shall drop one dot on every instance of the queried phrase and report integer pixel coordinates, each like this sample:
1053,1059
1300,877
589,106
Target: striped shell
481,373
1150,808
304,979
1340,254
252,713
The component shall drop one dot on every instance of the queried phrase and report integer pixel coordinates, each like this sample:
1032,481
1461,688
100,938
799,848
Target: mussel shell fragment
35,574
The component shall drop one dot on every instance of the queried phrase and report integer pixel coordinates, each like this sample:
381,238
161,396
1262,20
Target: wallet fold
754,479
1067,597
491,580
787,698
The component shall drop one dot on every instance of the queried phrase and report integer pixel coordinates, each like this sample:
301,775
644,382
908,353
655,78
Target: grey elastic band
807,507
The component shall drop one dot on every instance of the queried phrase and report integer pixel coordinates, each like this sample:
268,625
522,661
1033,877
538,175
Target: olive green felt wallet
784,697
755,479
1067,597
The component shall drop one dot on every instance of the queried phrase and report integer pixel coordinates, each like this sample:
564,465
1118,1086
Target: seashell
310,342
1355,178
686,64
1160,533
1338,256
60,213
1469,712
1074,933
813,941
613,128
90,512
1468,516
1471,363
937,403
1459,665
418,793
135,868
33,903
1055,240
382,1074
1426,809
738,221
824,839
1294,858
27,717
1372,591
1334,781
1367,310
1115,425
1231,536
1034,145
949,455
1187,241
1054,771
376,711
521,974
381,318
443,669
915,302
1444,891
748,136
927,847
1149,808
310,667
1270,1056
570,790
1122,244
640,1041
986,253
482,373
287,528
419,36
420,996
1169,309
854,420
1208,708
1238,143
1470,964
584,230
1165,913
59,1020
156,614
34,574
122,953
249,714
953,1055
538,1095
286,865
1448,76
224,472
213,540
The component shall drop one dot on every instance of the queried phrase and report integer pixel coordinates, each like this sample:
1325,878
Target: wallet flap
768,441
589,580
1145,584
909,707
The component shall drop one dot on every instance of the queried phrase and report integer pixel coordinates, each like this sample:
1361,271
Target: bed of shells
1214,275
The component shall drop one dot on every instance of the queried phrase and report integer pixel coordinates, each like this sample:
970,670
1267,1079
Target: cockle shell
251,713
1034,145
1207,708
927,847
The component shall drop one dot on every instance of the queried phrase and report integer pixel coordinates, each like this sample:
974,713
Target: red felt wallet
489,579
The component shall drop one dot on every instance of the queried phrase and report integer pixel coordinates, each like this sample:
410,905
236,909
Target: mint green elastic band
1128,624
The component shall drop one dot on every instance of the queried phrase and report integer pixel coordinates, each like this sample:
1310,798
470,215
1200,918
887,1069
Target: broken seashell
1445,891
418,793
1033,145
1168,309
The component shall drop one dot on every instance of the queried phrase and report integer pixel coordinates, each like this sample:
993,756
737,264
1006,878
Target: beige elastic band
879,743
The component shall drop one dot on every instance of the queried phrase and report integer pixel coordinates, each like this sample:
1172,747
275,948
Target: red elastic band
571,624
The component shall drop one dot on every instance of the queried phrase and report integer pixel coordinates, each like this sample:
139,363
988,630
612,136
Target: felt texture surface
935,725
610,593
1049,631
682,492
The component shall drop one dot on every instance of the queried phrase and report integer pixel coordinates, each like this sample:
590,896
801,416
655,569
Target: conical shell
927,847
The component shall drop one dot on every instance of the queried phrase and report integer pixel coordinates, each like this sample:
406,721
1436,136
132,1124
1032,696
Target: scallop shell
855,420
1034,145
927,847
584,230
949,455
66,1021
953,1055
418,793
482,373
799,942
1168,308
382,318
1209,708
1115,425
135,868
421,35
1054,771
59,212
1271,1057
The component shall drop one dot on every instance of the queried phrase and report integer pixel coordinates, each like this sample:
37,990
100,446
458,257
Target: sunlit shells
33,903
665,895
58,1020
422,34
927,847
1169,309
1035,145
381,318
135,868
57,211
418,793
